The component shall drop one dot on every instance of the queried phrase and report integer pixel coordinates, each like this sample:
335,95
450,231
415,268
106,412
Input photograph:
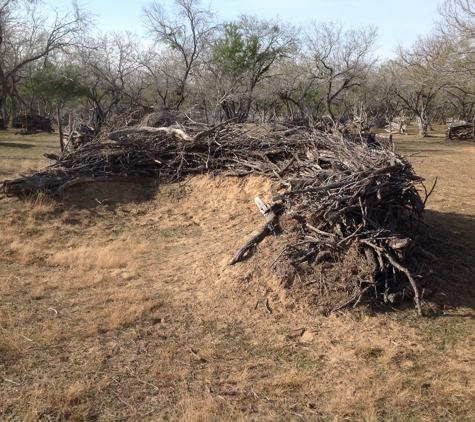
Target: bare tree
161,73
187,34
340,58
27,35
457,27
108,73
419,75
458,18
295,87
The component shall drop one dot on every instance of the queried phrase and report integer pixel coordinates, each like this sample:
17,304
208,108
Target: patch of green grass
304,363
19,154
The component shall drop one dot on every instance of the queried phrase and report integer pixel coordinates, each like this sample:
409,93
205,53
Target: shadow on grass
430,145
109,194
418,151
450,239
16,145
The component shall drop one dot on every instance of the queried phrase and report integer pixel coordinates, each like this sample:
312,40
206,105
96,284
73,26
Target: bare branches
340,58
188,34
26,35
458,18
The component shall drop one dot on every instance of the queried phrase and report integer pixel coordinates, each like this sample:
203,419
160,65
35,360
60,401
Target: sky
398,21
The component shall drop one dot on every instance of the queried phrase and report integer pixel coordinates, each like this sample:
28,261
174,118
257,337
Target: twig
268,308
195,354
430,192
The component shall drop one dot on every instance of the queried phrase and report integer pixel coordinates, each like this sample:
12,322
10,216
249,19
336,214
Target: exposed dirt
119,305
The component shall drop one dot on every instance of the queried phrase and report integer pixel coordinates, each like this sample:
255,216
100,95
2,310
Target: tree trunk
227,110
60,127
424,123
97,116
423,128
4,114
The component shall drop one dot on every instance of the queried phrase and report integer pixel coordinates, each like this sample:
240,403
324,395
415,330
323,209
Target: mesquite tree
243,56
339,58
419,76
28,34
186,35
108,72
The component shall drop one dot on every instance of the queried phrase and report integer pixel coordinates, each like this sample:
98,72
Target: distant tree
339,58
27,34
377,93
458,19
457,28
243,56
182,40
106,72
419,75
49,85
297,89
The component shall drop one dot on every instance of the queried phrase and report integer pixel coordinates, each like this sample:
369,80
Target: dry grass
117,305
19,154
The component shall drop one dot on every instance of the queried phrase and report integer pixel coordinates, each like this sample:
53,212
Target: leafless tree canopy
245,69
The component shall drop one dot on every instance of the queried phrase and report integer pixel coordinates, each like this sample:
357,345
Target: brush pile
32,124
351,230
144,116
344,207
460,132
79,134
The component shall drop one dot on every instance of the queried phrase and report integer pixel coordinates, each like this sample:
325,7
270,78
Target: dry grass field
118,304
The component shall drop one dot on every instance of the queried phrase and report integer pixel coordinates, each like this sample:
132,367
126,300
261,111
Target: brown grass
119,305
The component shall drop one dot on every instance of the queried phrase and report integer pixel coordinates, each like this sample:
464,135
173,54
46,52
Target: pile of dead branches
460,132
144,116
32,124
345,207
169,154
365,209
78,134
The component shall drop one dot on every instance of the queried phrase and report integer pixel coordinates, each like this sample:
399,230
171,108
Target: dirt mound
345,195
205,220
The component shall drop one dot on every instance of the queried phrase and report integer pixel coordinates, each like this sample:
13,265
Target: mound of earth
343,208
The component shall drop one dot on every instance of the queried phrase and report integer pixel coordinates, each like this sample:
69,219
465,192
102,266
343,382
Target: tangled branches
334,198
366,204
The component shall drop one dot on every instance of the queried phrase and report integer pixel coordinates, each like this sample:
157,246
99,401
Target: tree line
248,68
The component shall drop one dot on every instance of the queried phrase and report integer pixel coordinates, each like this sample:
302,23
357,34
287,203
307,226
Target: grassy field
117,304
20,153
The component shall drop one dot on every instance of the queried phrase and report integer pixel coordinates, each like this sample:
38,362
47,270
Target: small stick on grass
268,308
195,354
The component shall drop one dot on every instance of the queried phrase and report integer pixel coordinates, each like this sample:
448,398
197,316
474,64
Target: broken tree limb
258,238
398,266
270,217
149,130
266,211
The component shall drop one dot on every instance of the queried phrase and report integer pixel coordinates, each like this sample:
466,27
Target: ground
118,304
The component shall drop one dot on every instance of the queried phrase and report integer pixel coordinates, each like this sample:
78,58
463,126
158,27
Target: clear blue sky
397,20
